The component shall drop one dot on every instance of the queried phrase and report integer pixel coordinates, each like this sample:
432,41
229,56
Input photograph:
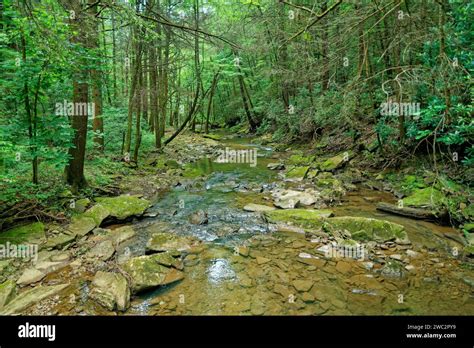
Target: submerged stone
161,241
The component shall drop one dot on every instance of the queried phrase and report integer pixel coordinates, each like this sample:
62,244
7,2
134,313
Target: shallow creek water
273,279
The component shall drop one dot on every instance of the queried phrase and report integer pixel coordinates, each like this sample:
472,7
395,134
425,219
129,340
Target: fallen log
414,213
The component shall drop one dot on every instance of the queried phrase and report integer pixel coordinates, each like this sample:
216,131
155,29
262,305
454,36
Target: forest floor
297,231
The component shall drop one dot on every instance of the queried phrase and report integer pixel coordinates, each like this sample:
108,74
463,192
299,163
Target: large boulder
111,291
124,206
289,199
335,162
365,229
425,198
81,225
98,212
147,272
299,159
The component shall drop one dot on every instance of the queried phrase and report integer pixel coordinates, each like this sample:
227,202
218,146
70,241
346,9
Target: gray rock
59,241
121,234
146,272
29,276
111,291
103,251
275,166
257,207
7,292
30,297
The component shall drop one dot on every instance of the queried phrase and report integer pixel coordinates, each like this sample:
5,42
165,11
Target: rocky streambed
290,236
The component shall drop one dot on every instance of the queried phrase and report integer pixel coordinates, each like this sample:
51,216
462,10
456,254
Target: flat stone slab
59,241
30,276
121,234
103,250
160,242
81,225
252,207
30,297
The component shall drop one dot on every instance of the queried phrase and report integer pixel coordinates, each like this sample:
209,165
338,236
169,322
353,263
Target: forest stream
245,266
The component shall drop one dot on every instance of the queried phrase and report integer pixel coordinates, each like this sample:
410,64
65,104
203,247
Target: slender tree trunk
75,168
31,121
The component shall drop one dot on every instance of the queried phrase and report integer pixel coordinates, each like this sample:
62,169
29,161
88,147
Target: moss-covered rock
335,162
120,235
305,218
81,225
147,272
469,228
161,242
124,206
425,198
23,233
172,164
297,172
300,160
98,212
365,229
392,269
328,183
7,292
215,137
59,241
469,250
80,205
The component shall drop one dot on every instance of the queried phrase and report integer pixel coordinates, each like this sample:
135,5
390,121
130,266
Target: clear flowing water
227,283
273,279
